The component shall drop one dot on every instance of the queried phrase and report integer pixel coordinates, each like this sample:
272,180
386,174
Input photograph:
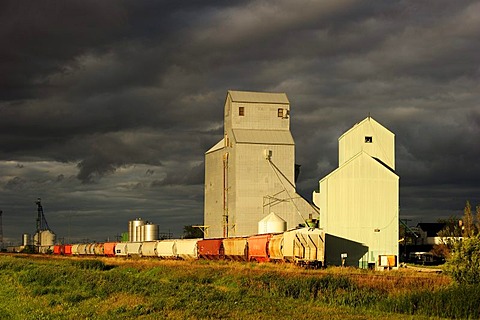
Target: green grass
40,288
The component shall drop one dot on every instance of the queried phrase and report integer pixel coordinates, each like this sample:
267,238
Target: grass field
110,288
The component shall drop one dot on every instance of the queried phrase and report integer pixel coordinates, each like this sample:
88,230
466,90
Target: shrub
464,263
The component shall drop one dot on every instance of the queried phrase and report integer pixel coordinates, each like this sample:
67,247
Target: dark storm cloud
103,92
183,175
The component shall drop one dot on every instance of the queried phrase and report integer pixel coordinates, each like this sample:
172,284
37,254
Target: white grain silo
272,224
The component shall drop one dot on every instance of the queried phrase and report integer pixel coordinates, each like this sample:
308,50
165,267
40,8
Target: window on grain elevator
241,111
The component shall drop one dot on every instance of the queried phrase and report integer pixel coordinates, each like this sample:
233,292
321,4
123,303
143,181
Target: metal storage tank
149,249
26,239
187,248
149,232
47,238
44,238
166,249
272,224
132,229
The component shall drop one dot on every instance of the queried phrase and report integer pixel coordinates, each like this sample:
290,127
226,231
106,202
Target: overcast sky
107,107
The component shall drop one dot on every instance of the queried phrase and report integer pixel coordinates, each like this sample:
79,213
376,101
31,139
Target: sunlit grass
114,288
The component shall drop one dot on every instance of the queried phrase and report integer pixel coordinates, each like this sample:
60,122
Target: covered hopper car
303,246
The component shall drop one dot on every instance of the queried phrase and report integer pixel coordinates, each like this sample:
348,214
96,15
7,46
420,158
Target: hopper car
302,246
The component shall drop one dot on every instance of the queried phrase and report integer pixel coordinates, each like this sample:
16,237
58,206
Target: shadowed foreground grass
71,288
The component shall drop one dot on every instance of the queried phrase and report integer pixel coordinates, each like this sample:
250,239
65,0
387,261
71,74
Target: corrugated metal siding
358,198
353,142
263,136
255,179
213,204
258,97
250,177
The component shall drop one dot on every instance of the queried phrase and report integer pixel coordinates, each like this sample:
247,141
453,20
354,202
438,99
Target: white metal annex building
251,171
359,200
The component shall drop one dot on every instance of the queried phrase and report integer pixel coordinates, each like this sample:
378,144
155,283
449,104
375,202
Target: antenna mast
42,224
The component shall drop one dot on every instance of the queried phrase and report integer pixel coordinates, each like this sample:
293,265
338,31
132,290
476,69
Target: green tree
477,224
190,232
468,223
464,262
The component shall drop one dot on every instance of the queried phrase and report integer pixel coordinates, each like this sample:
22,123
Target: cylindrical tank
26,239
130,231
44,238
133,236
149,232
47,238
272,224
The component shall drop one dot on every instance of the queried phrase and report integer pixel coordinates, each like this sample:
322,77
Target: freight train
303,246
